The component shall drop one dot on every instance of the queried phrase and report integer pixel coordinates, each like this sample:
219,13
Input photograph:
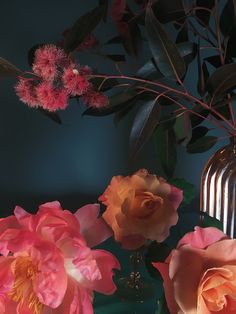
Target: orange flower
140,207
200,274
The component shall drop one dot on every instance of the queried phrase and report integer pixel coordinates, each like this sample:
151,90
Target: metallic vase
218,187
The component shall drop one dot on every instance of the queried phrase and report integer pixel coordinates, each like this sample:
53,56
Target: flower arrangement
167,107
48,260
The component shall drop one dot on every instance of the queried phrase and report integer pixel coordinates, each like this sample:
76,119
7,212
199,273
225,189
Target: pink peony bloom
25,90
95,99
74,82
200,274
48,265
51,98
47,61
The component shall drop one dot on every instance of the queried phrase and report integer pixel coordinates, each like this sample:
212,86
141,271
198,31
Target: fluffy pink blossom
75,82
95,99
47,264
47,61
51,98
25,90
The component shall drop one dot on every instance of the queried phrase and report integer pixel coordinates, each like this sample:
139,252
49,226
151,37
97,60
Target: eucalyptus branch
183,94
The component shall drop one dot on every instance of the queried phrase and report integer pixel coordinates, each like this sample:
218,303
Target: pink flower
48,265
75,82
51,98
47,61
140,207
25,90
95,99
200,274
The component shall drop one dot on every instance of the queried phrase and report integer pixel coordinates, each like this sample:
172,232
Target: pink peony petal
87,215
94,229
185,271
202,237
97,233
163,268
106,262
51,280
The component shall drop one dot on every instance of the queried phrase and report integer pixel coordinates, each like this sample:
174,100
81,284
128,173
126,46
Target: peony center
22,291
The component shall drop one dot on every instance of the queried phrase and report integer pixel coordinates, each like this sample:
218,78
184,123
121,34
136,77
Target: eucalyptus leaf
189,190
197,119
204,15
168,11
227,18
144,124
116,103
166,149
202,144
208,221
156,252
162,306
51,115
8,69
198,132
164,51
221,81
183,128
82,28
149,70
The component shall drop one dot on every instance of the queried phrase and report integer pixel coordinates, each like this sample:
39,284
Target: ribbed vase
218,187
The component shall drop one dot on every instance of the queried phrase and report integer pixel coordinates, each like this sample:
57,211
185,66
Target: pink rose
200,274
140,207
48,265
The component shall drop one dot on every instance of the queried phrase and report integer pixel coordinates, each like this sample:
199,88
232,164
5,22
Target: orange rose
140,207
200,275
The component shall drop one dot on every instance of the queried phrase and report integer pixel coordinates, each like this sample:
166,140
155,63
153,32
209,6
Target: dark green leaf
82,28
183,128
104,4
116,103
120,115
144,125
103,85
195,118
167,122
114,40
202,144
150,70
221,81
166,150
131,39
203,76
51,115
189,190
163,49
214,61
168,11
208,221
227,18
204,15
182,35
156,252
162,306
198,132
8,69
117,58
